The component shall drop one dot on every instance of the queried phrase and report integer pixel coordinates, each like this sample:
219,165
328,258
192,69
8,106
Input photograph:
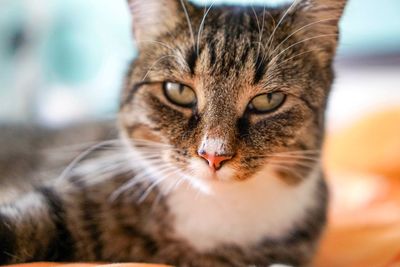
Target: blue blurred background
63,61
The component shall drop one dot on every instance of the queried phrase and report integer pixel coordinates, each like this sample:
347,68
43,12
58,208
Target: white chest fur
240,213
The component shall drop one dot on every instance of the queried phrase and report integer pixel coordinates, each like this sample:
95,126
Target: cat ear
320,22
153,17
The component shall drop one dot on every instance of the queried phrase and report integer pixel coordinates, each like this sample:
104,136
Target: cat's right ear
319,24
152,18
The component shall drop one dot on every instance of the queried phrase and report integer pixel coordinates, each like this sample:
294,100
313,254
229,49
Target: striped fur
150,197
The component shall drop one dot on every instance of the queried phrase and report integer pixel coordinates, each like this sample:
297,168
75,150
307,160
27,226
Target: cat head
218,94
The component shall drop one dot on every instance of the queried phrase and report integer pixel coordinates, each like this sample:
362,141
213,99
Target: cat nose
214,161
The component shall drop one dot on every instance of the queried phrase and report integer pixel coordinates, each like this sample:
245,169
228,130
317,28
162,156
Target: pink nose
214,161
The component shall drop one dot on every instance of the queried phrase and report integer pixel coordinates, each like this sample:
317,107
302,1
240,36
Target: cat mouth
204,173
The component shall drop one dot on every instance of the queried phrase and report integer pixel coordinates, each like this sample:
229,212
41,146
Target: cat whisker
188,22
296,159
144,154
153,154
152,176
278,167
260,29
265,55
152,161
78,147
299,30
260,45
157,182
177,51
181,179
92,170
124,187
294,163
298,153
155,63
317,151
257,20
82,156
150,144
272,61
178,183
143,176
201,27
156,42
146,148
272,36
297,55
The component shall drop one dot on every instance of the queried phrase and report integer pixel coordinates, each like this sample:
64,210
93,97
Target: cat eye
179,94
267,102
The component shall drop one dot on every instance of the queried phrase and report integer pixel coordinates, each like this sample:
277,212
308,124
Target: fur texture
151,196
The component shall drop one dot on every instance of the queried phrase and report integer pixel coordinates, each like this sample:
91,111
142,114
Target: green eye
267,102
179,94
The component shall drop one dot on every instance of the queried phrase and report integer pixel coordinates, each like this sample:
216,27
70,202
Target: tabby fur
149,196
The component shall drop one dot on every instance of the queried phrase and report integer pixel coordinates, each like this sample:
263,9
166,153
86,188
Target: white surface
359,90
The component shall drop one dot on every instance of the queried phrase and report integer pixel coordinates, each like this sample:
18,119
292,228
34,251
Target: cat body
217,164
81,220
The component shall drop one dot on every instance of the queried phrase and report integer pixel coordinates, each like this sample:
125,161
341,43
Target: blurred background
62,61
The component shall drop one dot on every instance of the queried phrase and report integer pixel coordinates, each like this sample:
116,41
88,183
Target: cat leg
32,229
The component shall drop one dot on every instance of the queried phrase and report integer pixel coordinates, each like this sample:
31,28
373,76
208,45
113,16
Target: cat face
218,94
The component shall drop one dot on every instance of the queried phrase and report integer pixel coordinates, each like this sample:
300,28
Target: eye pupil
266,103
181,88
179,94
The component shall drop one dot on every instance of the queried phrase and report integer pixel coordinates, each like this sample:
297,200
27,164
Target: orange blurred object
53,264
370,145
363,168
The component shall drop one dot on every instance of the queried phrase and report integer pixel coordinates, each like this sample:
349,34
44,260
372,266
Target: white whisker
201,27
157,182
272,36
285,168
302,41
188,22
155,63
295,162
299,153
80,157
143,176
298,30
297,55
296,156
81,146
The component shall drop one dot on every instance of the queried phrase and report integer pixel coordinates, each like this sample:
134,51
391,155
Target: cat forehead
231,42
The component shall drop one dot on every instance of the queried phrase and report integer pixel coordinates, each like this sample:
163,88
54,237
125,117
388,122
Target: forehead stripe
191,59
260,69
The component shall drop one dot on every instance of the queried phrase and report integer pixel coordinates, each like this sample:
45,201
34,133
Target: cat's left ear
152,18
319,21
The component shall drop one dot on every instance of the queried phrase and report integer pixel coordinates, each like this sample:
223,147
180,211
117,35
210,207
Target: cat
221,123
